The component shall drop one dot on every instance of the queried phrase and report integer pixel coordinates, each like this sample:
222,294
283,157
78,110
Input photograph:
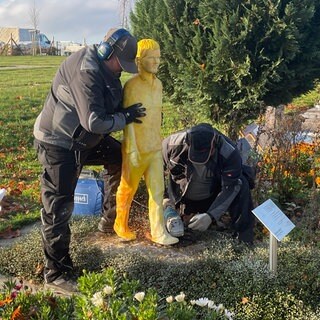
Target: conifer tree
230,58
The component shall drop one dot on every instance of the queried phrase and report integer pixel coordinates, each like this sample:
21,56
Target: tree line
227,60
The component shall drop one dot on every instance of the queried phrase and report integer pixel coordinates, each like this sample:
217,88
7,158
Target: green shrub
275,305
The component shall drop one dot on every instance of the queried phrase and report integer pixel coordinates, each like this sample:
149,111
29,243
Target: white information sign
273,219
2,193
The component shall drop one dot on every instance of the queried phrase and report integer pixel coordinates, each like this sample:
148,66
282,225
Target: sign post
273,258
278,224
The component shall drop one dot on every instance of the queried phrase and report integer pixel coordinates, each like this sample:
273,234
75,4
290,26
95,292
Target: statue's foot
124,233
165,239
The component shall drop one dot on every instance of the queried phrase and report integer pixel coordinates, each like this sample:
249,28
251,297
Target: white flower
193,302
180,297
220,307
202,302
228,314
97,299
169,299
211,305
107,290
139,296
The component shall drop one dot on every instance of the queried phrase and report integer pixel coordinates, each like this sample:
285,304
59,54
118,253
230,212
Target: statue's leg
155,184
130,178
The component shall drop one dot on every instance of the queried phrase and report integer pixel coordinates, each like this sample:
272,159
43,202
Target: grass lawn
24,83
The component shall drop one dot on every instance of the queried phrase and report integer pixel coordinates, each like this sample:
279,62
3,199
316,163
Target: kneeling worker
205,180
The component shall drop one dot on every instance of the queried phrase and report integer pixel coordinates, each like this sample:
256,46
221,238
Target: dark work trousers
242,219
61,169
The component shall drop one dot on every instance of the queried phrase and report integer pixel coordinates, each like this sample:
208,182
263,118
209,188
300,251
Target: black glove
134,112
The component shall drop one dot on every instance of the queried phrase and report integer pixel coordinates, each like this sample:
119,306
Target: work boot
105,226
62,285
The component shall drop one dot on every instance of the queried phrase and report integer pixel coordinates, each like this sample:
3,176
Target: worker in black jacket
205,180
83,107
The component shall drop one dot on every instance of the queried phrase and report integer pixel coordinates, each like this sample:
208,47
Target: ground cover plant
223,271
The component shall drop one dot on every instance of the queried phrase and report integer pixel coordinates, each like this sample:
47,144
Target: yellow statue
141,147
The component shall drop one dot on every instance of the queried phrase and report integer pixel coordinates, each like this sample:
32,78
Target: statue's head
148,55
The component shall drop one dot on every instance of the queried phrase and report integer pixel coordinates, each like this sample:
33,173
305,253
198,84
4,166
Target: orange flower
17,315
196,22
244,300
5,301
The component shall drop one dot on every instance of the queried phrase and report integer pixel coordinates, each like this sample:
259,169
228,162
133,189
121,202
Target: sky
64,20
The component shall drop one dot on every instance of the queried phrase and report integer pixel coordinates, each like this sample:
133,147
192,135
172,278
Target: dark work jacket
225,168
83,104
